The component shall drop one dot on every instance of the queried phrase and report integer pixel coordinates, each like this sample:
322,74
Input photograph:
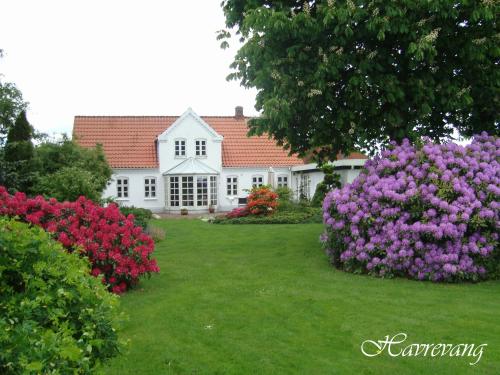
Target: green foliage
54,316
141,215
19,146
331,180
289,216
11,105
285,194
18,172
333,75
68,170
69,183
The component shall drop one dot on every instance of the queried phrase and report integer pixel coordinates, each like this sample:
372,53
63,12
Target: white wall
244,175
188,127
136,189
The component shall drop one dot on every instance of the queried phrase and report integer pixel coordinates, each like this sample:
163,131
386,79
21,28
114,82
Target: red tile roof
129,141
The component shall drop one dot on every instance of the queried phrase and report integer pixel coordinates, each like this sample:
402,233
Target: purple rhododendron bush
429,212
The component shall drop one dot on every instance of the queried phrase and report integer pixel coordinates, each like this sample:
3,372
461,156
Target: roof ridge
149,116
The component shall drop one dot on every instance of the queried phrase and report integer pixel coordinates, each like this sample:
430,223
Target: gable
187,125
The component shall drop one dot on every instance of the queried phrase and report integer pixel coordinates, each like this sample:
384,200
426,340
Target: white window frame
213,190
282,183
257,183
150,188
232,186
200,148
178,149
122,182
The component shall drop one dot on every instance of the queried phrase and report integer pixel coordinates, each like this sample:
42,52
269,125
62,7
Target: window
180,147
122,187
174,191
257,181
304,187
202,191
232,185
213,190
150,187
282,181
187,190
201,147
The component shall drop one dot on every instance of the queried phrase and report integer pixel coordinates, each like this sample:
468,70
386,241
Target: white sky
109,57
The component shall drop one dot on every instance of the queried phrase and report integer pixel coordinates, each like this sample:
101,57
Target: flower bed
120,252
428,212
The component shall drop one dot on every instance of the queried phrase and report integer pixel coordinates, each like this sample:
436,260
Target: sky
109,57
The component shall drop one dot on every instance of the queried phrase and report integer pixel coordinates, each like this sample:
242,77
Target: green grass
263,299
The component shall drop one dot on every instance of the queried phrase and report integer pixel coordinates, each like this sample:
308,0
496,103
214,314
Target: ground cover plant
429,212
263,299
54,317
119,251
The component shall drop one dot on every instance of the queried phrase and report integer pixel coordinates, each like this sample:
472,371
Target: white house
166,163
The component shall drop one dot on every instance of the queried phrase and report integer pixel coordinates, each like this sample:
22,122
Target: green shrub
54,317
68,184
141,215
285,194
308,215
331,181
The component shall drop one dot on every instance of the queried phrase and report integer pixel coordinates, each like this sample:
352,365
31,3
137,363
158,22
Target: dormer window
180,147
201,147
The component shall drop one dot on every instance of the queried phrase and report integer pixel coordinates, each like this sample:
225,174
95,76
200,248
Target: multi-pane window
232,185
180,147
122,187
213,190
257,181
174,191
201,191
187,191
201,147
282,181
305,187
150,187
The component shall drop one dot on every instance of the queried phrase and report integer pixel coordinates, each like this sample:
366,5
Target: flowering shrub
238,212
262,201
428,212
119,251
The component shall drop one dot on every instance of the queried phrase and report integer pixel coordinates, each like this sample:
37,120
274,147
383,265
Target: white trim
123,197
150,185
190,112
232,185
175,148
201,156
257,183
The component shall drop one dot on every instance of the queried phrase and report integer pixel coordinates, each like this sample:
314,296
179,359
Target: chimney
238,112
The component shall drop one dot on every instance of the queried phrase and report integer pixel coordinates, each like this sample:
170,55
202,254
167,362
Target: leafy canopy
333,75
68,170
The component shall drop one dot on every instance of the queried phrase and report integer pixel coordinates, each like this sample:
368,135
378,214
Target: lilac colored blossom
430,213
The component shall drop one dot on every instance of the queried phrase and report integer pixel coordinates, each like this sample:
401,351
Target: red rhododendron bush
262,201
119,251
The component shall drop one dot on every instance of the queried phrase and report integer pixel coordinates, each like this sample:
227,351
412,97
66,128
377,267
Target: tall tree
333,75
17,170
19,146
11,105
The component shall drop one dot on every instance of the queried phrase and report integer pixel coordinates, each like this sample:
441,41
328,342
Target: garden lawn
263,299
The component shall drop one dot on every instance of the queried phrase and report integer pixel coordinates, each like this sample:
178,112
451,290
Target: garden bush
120,252
429,212
141,215
54,317
306,215
262,201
